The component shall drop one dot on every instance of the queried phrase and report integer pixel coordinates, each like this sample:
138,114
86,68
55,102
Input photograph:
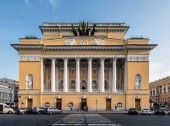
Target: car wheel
39,113
50,113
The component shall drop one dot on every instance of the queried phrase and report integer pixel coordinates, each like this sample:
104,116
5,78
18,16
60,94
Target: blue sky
147,18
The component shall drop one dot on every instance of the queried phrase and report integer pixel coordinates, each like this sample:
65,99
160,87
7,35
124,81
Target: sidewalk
94,112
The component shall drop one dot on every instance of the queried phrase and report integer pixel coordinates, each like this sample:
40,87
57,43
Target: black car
159,111
132,111
23,111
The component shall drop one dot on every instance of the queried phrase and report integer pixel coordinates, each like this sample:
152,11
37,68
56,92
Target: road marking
85,119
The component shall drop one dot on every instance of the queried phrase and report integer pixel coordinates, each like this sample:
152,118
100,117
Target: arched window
60,85
106,84
95,84
29,81
72,84
83,85
138,80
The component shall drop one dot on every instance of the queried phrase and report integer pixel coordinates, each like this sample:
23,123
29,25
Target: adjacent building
160,91
9,91
84,65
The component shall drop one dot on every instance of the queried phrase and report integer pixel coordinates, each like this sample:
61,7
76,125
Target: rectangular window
72,71
94,71
61,71
83,71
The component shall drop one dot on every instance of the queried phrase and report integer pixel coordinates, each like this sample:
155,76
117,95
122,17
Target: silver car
51,110
146,111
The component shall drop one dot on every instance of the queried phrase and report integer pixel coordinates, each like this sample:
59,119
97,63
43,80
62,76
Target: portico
96,73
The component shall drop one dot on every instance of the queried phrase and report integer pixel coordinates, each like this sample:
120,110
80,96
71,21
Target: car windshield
35,108
132,109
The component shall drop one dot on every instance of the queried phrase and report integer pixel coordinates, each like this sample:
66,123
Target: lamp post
96,105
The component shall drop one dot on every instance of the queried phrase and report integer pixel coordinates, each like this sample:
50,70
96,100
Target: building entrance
108,104
84,104
29,103
137,104
59,103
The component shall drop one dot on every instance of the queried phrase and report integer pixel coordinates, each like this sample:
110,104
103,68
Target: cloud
54,4
158,70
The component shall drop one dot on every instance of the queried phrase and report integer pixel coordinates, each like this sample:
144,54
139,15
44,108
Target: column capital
102,58
90,59
78,58
115,58
65,58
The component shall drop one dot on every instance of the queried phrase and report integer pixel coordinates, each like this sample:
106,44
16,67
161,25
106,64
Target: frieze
30,58
138,58
70,41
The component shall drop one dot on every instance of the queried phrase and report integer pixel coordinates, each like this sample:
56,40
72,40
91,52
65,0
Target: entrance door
29,103
83,104
108,104
137,104
59,103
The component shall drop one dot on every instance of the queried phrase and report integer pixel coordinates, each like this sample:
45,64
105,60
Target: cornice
83,47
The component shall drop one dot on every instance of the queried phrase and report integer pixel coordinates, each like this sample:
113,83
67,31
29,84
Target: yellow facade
36,76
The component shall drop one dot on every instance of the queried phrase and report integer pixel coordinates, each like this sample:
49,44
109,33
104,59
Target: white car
146,111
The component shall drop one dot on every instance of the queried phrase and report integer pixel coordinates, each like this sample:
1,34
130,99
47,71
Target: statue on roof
83,29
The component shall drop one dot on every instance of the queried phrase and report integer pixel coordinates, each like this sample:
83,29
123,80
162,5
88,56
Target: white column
102,75
65,89
89,75
53,75
42,75
114,76
125,75
56,78
77,74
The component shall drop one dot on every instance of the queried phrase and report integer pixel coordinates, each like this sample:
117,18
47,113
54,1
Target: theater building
84,65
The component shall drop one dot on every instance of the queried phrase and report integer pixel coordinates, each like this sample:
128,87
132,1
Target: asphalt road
83,119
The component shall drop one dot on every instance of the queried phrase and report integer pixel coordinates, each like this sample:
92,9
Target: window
105,71
61,72
106,85
94,71
72,71
83,71
60,86
72,84
29,81
164,89
95,84
169,89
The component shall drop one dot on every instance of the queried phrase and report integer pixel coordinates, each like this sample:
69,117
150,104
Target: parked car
132,111
160,111
4,108
37,110
146,111
51,110
23,111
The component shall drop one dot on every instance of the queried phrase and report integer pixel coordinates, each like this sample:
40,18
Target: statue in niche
138,81
29,81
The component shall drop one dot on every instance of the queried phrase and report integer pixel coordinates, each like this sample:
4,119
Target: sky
147,18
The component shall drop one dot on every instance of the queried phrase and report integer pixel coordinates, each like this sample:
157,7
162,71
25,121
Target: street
84,119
